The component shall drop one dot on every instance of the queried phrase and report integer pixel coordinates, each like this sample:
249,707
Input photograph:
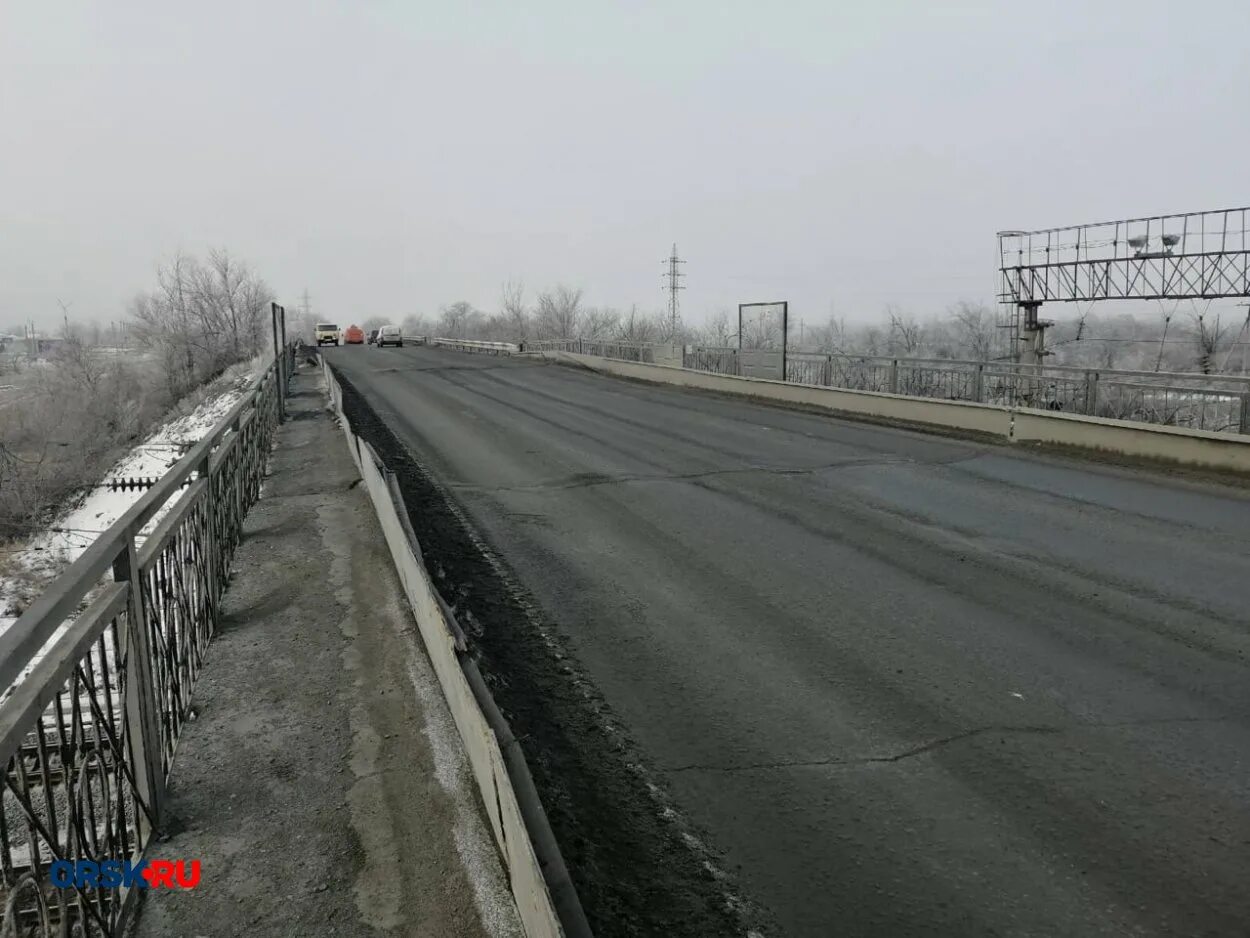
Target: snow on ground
32,565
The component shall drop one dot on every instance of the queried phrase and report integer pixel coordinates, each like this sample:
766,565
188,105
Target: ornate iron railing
100,669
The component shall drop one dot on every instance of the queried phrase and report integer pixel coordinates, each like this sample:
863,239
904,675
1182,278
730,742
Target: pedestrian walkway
322,785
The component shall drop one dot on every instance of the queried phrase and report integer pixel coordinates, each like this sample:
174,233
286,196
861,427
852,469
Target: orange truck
354,336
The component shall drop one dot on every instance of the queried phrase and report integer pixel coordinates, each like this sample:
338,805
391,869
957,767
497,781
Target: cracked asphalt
898,683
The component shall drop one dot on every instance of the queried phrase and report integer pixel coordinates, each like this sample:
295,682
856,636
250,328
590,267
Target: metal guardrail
469,345
624,351
99,675
1205,402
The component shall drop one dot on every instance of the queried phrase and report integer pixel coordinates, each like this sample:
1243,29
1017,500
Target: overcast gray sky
396,156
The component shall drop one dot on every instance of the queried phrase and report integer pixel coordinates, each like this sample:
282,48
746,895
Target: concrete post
1091,393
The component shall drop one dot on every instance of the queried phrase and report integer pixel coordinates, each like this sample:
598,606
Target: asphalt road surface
906,684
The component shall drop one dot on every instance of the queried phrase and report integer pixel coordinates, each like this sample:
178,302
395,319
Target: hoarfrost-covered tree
636,327
974,324
200,319
559,313
906,334
458,320
513,312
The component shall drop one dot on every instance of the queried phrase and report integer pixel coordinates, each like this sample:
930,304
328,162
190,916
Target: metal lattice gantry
1198,255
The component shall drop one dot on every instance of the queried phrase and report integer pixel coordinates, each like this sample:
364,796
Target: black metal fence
99,673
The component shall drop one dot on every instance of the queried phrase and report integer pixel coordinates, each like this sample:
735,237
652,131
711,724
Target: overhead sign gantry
1193,256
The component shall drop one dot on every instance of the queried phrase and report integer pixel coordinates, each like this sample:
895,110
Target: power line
1095,338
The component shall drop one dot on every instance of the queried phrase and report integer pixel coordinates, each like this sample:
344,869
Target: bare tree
719,331
222,301
560,313
81,363
600,323
200,319
516,317
830,337
760,330
456,320
635,327
974,325
905,332
873,341
415,324
667,330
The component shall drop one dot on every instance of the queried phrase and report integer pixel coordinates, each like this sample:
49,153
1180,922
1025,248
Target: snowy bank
26,569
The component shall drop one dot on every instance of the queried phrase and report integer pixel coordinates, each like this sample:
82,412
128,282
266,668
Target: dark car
373,336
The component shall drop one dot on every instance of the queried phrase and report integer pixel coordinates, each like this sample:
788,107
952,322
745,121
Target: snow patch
31,566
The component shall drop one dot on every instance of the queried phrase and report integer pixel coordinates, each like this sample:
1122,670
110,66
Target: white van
390,335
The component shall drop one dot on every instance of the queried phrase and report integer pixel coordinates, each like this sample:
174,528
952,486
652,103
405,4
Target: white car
390,335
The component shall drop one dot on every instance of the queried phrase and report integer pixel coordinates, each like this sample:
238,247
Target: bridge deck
906,684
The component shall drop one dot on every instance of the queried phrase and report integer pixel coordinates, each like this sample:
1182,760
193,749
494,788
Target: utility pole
64,315
305,306
1246,341
1243,339
1167,321
1031,346
673,275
